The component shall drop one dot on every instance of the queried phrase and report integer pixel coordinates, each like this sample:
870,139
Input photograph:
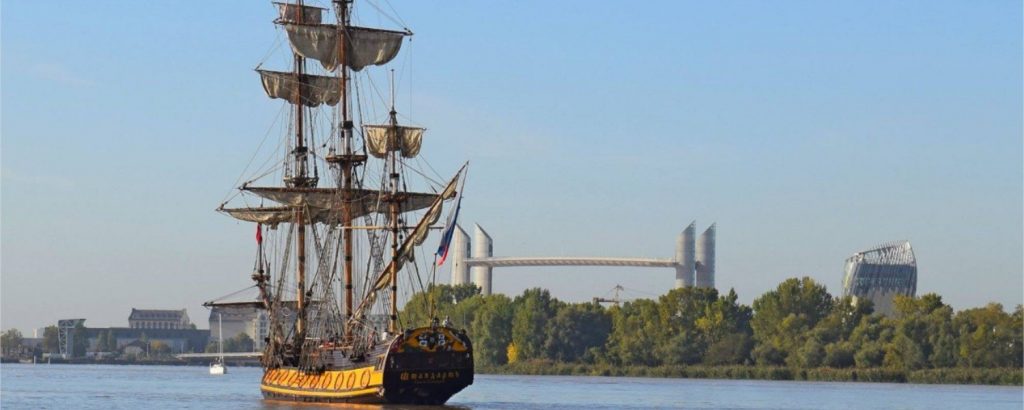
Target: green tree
685,320
51,340
492,330
159,349
240,343
923,333
839,355
636,328
826,343
11,342
534,309
731,350
989,337
458,302
725,328
868,339
783,317
575,330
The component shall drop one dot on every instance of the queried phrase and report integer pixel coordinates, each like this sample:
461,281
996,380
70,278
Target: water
179,387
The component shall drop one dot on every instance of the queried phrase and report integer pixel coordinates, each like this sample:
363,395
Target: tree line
797,325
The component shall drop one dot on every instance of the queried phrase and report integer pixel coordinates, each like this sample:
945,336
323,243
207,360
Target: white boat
218,368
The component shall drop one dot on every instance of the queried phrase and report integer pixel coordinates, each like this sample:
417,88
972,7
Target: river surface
26,386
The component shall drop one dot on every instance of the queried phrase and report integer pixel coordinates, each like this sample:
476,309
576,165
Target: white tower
685,256
459,251
483,247
705,266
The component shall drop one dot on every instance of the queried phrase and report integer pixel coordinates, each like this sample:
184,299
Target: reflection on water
178,387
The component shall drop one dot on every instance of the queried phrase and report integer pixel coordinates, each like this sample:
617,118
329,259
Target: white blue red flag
449,232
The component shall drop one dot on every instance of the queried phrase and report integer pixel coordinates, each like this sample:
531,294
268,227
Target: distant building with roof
237,318
880,273
177,340
158,319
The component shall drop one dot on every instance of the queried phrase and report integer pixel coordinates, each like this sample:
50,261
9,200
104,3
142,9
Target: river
26,386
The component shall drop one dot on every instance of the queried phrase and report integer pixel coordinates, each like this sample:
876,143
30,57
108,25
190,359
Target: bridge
694,260
561,261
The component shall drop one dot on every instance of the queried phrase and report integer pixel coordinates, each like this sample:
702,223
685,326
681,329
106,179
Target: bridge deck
571,261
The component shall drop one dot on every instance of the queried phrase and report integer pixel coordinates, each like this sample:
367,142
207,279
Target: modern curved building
880,273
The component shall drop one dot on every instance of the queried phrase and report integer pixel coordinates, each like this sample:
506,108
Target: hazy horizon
807,131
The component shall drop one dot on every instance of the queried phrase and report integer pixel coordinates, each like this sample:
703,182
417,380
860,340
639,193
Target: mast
220,333
300,179
346,209
392,159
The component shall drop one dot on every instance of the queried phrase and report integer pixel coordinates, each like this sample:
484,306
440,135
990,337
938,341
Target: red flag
259,234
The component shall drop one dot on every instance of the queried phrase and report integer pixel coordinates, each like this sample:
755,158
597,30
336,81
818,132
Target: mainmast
299,179
350,160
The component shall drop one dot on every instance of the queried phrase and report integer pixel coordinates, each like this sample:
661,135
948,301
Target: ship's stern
428,365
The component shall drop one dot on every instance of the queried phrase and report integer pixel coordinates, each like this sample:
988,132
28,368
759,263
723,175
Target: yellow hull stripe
334,384
307,393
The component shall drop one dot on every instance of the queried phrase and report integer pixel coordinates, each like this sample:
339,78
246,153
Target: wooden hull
403,375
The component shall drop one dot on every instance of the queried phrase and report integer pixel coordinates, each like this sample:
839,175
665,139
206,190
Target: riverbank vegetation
797,331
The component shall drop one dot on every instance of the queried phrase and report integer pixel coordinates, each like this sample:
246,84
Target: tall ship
341,210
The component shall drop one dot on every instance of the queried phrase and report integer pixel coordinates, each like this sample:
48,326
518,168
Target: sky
807,130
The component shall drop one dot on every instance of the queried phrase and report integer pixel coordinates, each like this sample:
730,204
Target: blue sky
807,130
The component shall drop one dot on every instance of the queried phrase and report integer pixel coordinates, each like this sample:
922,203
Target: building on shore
880,273
239,318
175,340
159,319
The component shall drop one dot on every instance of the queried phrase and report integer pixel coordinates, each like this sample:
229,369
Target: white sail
294,13
382,139
311,90
366,46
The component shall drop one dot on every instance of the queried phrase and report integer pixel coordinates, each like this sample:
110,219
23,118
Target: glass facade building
880,273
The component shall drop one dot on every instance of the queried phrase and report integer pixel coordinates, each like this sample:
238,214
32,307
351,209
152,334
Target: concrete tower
685,256
483,247
705,266
458,253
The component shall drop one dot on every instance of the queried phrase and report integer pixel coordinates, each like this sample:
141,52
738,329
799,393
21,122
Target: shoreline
948,376
951,376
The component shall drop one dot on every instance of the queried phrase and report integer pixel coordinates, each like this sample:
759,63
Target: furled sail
364,201
311,90
366,46
382,139
294,13
272,216
418,234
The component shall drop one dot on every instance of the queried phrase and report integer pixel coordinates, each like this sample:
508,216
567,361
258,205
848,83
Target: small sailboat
218,368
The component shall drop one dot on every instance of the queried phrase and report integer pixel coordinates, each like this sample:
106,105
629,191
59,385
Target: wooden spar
346,210
300,180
